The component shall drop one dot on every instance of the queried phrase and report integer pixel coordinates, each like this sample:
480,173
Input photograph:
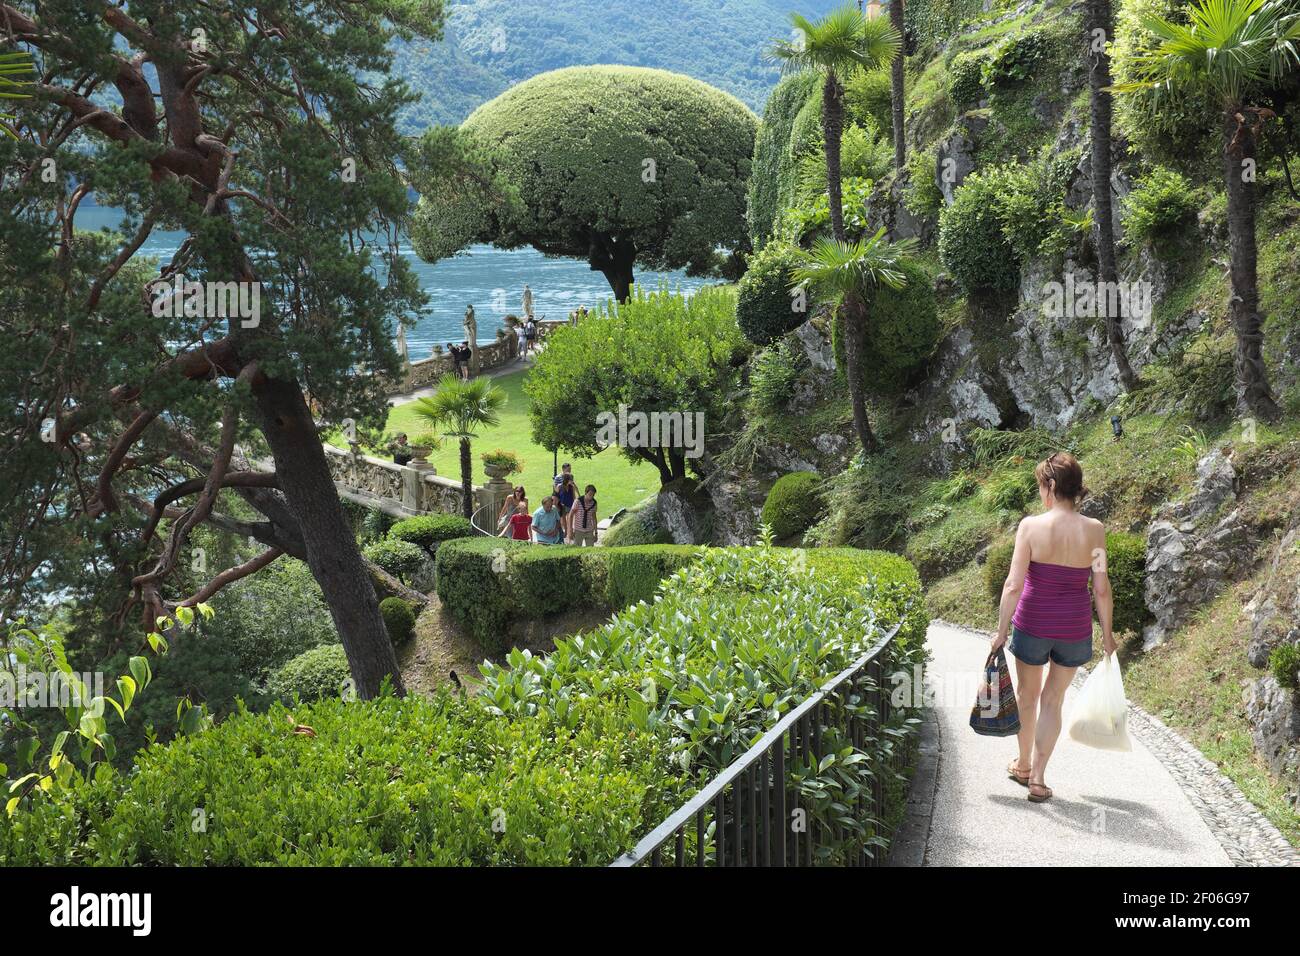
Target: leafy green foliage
903,330
399,619
637,528
1284,665
774,375
1017,56
775,176
793,503
1126,568
766,308
972,243
966,78
657,352
868,96
402,559
1163,203
315,674
997,566
429,531
607,160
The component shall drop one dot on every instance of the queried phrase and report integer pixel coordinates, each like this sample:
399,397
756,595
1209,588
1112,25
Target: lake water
492,280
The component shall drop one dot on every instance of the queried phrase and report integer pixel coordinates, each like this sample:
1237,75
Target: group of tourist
564,516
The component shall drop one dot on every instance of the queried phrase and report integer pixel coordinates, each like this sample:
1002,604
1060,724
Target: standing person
548,524
520,331
400,449
566,496
582,521
1047,608
530,335
454,352
508,506
528,302
470,352
520,524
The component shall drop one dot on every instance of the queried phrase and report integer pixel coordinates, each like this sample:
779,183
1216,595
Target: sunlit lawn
619,482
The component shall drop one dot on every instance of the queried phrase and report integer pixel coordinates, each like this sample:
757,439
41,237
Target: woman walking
508,506
582,519
1047,609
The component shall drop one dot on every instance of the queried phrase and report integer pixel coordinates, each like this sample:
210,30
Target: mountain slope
492,44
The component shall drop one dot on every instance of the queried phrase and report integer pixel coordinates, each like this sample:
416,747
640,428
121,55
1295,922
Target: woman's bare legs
1049,718
1029,686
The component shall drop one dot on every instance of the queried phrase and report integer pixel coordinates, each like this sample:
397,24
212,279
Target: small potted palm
501,463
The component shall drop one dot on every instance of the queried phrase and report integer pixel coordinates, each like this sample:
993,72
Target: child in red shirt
520,524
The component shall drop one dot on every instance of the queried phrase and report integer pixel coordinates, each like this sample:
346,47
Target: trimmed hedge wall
429,531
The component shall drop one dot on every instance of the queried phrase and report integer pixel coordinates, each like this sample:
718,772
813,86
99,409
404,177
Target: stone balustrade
401,490
503,351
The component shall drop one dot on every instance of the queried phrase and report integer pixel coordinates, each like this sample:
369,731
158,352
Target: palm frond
461,406
838,268
838,44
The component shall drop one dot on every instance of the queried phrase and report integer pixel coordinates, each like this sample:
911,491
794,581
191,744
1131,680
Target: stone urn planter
498,472
420,456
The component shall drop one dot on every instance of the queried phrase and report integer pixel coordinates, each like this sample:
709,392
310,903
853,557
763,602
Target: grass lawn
619,483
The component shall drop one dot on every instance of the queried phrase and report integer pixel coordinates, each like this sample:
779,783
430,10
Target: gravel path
1109,809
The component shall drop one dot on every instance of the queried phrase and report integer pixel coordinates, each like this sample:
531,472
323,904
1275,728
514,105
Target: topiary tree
312,675
399,619
428,531
617,165
972,243
776,159
766,309
403,560
793,504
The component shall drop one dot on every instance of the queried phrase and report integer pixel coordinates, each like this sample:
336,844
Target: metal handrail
473,522
713,793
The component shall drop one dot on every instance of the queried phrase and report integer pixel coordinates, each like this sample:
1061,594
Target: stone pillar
491,497
411,478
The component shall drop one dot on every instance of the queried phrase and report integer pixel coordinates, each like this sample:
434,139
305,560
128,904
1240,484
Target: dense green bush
1126,556
903,330
376,524
793,504
318,673
402,559
428,531
1284,665
636,528
399,619
973,245
1163,202
774,376
923,196
775,178
765,307
1017,55
386,782
965,79
486,583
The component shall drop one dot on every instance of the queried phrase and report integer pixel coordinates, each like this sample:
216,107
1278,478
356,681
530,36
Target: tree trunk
1099,18
896,81
466,479
853,319
332,552
1254,397
616,260
833,132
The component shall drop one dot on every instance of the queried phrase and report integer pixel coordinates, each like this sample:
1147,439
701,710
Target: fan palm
1099,23
835,46
848,272
1232,50
11,65
459,407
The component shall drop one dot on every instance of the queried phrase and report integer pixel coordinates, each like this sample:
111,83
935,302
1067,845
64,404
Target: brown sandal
1023,780
1039,797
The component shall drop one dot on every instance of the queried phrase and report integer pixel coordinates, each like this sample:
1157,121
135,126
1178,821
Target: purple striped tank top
1055,603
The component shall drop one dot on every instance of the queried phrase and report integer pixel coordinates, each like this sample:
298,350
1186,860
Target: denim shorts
1037,650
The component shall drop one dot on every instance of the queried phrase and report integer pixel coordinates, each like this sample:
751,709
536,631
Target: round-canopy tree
613,164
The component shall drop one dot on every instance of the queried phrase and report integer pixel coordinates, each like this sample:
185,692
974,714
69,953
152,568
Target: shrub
375,525
868,95
1163,203
972,245
402,559
503,459
765,309
903,329
997,565
1010,491
923,196
399,619
1016,56
774,375
428,531
1126,568
1284,665
965,79
313,675
793,504
774,179
636,528
634,574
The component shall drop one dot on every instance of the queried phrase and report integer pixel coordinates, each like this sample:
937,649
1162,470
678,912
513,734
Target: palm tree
836,45
1100,18
1231,50
848,272
461,406
896,85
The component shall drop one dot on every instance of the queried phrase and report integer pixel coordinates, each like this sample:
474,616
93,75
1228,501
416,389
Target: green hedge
765,309
401,559
566,759
487,583
429,531
399,619
315,674
793,504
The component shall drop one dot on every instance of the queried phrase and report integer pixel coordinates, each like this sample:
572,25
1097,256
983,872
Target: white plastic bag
1101,709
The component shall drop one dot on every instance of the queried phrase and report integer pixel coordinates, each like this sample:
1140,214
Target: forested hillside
490,45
